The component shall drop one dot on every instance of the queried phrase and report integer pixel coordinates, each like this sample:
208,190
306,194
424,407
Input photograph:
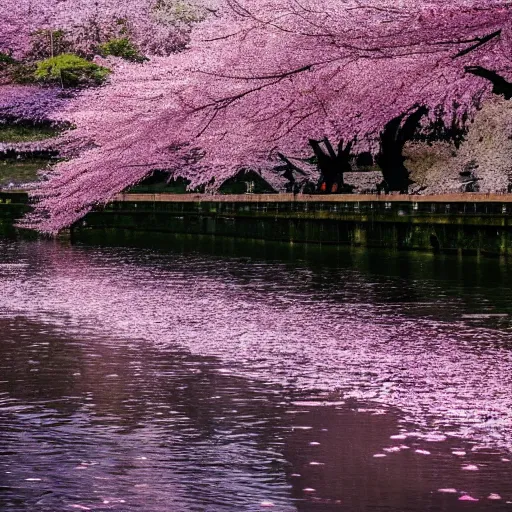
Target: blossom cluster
89,22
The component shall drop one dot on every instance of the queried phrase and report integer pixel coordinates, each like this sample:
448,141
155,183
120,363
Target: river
221,375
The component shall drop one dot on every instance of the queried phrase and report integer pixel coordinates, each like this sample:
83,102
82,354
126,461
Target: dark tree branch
500,85
480,42
291,164
332,165
274,76
330,149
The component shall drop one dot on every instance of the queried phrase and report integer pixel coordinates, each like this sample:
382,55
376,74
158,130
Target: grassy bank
15,133
20,172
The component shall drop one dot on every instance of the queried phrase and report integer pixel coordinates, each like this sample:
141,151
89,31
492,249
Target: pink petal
470,467
467,497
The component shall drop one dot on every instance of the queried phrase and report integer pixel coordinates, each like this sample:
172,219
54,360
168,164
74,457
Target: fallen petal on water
398,436
295,475
314,443
467,497
314,463
449,490
266,504
422,452
392,449
459,453
470,467
435,438
494,496
309,489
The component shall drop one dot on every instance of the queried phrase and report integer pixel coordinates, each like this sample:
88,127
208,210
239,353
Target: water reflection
185,380
99,423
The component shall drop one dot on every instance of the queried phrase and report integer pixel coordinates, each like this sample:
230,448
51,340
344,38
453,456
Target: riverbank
465,223
13,205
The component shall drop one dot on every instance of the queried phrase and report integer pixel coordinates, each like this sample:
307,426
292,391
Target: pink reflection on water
470,467
259,318
277,333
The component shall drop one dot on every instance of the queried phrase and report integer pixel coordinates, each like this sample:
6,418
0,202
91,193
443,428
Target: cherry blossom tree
264,81
157,26
363,72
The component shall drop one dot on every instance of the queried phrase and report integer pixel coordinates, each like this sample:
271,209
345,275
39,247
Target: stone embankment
464,223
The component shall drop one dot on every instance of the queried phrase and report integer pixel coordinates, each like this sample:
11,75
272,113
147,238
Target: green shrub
123,48
70,71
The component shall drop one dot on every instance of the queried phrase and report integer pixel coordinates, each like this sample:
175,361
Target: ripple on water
151,369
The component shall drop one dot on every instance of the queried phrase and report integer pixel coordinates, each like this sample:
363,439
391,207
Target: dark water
230,376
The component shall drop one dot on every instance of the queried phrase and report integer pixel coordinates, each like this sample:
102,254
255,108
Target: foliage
84,24
70,71
121,47
22,72
262,78
46,43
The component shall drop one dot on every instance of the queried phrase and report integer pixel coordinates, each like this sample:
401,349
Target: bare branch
480,42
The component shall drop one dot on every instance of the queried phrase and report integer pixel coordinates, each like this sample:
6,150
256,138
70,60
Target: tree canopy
258,79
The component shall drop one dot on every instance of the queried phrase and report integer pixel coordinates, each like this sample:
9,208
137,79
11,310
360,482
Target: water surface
229,376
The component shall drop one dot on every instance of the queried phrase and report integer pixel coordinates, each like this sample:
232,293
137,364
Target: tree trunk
332,164
392,140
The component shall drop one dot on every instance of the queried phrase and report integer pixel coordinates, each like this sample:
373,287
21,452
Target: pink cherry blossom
88,22
260,79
